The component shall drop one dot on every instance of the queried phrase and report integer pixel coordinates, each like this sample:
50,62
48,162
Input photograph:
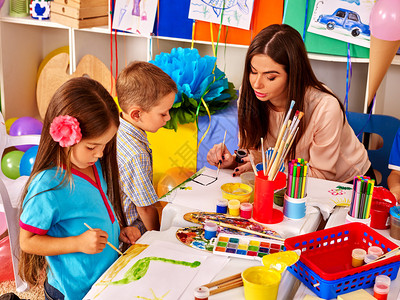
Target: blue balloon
27,161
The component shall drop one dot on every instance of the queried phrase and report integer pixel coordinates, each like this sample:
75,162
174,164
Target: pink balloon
384,20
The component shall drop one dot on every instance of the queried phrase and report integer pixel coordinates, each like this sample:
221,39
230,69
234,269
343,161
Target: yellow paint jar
357,257
234,207
260,283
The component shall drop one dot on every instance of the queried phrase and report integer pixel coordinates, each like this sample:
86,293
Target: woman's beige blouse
331,147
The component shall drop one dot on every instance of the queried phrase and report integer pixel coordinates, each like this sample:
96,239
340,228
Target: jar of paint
395,222
245,210
210,230
370,257
233,207
222,206
201,293
381,287
375,250
357,257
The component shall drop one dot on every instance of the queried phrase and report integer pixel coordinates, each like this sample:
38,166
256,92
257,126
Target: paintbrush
222,149
108,243
225,284
246,230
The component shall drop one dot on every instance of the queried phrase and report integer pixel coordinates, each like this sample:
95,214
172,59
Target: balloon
6,267
27,161
24,126
384,20
172,178
9,122
10,164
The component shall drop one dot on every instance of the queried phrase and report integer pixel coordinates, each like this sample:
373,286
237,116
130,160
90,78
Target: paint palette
248,247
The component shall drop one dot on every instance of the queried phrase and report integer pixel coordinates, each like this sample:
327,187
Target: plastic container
375,250
395,222
222,206
245,210
350,219
381,287
234,207
201,293
357,257
370,257
237,190
260,283
210,230
294,208
382,201
325,263
263,210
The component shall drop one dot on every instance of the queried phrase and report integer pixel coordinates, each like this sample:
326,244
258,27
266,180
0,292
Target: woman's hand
219,154
92,241
129,235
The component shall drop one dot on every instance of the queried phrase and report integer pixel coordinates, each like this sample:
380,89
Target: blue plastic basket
325,261
328,289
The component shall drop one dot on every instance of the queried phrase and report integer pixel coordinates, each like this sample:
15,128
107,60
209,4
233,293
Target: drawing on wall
143,273
345,20
236,13
136,16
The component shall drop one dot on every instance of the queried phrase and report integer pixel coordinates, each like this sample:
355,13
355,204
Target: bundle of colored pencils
363,188
285,139
297,178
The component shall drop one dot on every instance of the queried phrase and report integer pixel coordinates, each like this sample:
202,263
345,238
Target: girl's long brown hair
94,108
285,46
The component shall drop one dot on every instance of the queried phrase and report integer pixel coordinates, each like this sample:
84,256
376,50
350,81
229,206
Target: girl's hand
92,241
220,154
129,235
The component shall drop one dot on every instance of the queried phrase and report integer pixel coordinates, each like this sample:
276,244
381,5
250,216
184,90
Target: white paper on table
326,194
198,196
207,271
164,280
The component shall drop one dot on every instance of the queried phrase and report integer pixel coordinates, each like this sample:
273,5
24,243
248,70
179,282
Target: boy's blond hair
143,84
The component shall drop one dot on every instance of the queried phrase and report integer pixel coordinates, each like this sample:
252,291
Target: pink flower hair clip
65,130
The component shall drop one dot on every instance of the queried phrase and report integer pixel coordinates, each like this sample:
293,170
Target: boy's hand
92,241
220,154
129,235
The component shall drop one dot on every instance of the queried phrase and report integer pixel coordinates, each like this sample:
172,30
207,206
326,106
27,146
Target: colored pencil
108,243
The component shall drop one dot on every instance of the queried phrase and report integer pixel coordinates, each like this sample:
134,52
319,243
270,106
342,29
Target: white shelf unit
25,42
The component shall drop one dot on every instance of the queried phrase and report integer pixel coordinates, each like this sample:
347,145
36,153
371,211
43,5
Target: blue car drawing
346,19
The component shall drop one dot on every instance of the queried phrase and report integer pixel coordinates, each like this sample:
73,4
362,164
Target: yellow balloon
8,123
172,178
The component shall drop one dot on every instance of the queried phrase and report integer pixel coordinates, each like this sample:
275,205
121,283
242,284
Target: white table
338,217
196,197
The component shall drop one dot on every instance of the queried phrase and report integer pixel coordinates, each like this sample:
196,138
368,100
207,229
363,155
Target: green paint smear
339,187
139,269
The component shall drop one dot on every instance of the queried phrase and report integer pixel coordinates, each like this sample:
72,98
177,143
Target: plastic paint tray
325,262
242,246
328,252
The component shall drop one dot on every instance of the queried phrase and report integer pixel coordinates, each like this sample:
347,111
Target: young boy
394,164
145,94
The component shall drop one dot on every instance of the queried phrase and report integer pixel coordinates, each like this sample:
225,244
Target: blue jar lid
395,211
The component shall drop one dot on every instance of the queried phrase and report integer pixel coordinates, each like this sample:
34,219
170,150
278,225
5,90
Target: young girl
276,71
74,181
